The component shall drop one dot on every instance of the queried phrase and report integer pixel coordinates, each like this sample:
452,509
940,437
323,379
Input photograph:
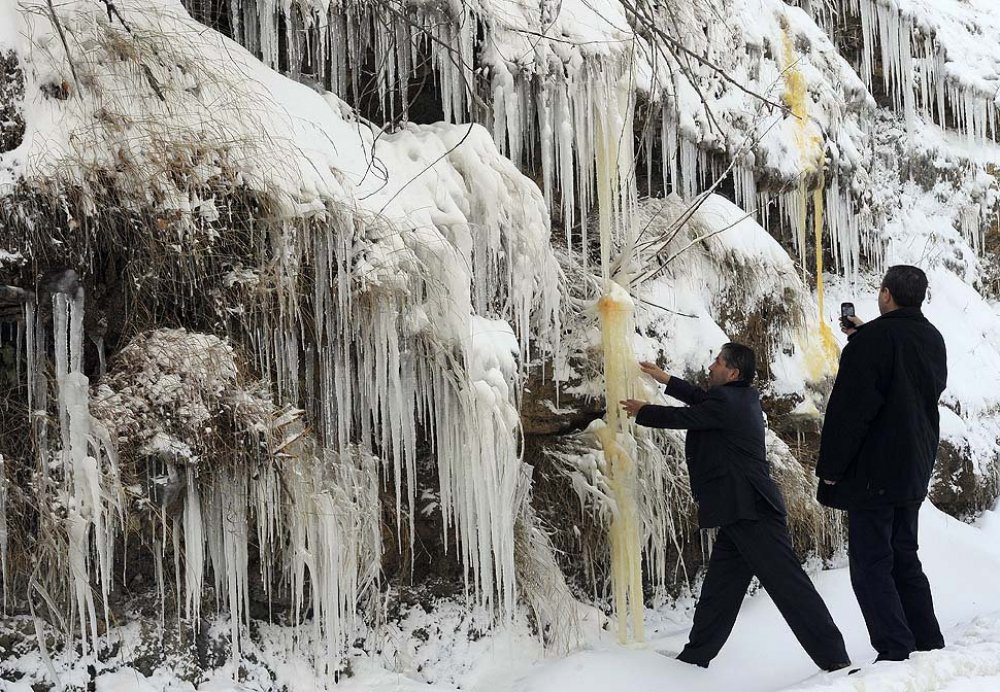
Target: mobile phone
846,310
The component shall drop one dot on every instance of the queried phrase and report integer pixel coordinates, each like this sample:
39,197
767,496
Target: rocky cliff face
344,318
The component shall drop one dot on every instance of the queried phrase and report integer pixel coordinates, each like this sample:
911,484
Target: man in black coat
877,452
732,484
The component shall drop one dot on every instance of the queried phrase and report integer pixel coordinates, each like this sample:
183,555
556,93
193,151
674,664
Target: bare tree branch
62,37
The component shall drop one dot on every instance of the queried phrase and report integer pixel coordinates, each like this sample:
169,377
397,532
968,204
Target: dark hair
741,358
908,285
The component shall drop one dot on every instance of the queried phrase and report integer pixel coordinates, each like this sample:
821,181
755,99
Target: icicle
194,550
821,357
479,465
744,186
161,588
688,169
563,119
269,520
90,509
830,349
970,220
334,536
617,329
616,207
844,229
4,574
669,149
914,72
267,31
227,538
102,362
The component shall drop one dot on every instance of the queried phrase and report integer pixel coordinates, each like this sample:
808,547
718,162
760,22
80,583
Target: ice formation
544,90
314,512
80,477
399,282
822,353
929,65
390,319
618,443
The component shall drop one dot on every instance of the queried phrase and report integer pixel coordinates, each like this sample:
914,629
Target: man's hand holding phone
849,322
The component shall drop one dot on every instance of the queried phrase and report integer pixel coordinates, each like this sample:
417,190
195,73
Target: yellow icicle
829,343
821,357
615,310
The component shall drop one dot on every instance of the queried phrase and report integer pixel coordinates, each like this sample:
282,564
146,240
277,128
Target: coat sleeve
942,375
857,397
684,391
707,415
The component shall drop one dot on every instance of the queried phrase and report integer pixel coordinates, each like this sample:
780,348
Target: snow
10,257
961,561
126,680
720,252
451,243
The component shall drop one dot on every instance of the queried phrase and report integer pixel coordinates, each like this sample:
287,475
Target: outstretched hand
632,406
654,371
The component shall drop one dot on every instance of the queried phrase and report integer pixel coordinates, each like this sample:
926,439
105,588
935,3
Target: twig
152,81
62,37
675,312
649,274
39,630
113,12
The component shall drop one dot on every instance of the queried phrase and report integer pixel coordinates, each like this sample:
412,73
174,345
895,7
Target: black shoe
836,666
891,657
700,664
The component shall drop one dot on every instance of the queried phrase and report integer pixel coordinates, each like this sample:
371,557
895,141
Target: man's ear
736,375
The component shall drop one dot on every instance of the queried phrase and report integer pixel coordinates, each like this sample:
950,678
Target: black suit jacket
880,435
725,451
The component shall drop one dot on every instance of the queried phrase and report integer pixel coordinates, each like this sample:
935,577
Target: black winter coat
880,436
725,452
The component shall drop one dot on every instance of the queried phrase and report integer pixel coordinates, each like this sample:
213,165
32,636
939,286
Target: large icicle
91,509
331,510
617,330
822,356
613,165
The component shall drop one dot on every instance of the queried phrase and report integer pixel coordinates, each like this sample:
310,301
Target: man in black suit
877,452
732,484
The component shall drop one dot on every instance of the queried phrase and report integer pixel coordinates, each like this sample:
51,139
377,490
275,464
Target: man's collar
903,312
737,383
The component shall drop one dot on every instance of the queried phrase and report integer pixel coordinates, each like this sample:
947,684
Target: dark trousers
889,581
760,547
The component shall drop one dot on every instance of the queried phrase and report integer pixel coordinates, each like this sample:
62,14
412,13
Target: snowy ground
962,562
